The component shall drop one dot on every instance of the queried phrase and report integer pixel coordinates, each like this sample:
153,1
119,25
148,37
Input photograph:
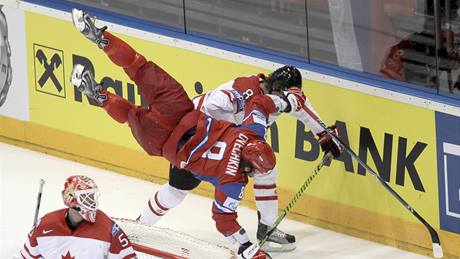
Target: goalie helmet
260,155
284,78
81,193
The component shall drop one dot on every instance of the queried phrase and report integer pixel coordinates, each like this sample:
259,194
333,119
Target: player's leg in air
162,92
180,181
167,100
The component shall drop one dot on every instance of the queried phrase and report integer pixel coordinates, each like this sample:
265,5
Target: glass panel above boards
278,25
395,39
166,12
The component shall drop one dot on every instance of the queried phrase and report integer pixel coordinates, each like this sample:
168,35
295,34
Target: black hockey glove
328,144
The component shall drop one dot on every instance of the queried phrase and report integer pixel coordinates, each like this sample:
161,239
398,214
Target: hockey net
156,242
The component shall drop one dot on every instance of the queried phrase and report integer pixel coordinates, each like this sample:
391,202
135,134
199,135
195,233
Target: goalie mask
260,155
81,193
284,78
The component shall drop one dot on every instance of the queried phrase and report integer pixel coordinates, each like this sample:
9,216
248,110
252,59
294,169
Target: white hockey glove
83,80
295,99
250,250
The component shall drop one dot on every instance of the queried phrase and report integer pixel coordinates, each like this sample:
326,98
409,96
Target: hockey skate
84,81
86,25
278,241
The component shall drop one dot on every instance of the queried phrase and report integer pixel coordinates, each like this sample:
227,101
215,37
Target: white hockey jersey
227,102
52,238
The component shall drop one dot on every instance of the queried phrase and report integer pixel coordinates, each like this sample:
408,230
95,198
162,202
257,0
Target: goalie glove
250,250
295,99
328,144
83,80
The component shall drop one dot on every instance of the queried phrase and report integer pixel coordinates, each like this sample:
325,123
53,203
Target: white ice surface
122,196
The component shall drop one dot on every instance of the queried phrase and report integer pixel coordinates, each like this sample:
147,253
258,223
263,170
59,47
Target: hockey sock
266,197
158,205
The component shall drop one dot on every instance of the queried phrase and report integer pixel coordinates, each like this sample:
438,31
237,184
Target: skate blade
77,19
76,77
280,248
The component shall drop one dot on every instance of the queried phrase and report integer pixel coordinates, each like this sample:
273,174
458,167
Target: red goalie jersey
52,238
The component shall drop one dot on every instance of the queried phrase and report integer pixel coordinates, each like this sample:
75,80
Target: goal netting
156,242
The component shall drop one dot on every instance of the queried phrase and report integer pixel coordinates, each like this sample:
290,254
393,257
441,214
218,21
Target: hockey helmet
82,194
285,77
260,155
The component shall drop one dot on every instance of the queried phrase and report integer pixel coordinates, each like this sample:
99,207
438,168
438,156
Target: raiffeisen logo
49,70
448,145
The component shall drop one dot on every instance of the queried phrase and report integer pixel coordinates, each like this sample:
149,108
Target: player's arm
300,107
258,110
120,246
220,103
31,248
227,198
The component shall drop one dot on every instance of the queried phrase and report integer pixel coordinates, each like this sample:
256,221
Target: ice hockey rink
124,197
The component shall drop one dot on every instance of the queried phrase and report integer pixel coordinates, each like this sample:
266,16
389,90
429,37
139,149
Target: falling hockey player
219,152
227,102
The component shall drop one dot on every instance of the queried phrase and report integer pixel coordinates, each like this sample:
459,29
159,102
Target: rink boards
413,143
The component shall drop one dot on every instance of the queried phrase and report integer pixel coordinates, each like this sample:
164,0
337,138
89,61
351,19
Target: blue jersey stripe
203,141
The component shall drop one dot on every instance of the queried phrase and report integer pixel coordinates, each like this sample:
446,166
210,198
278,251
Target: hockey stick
294,200
437,249
39,199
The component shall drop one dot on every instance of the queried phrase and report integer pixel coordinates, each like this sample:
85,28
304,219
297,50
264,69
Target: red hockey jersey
52,238
213,155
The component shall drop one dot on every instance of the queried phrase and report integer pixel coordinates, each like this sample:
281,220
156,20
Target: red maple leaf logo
67,256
